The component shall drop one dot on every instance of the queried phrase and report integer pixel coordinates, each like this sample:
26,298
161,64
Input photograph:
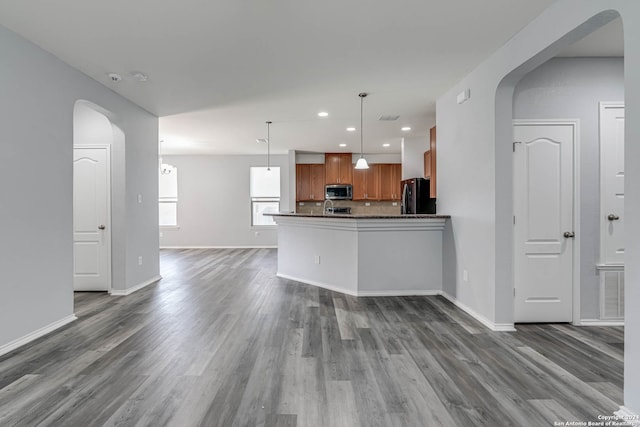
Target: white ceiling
219,69
606,41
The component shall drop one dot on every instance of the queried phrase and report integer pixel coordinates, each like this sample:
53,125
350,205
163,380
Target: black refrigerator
416,198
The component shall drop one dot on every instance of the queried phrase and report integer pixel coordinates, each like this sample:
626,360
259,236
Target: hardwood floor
221,341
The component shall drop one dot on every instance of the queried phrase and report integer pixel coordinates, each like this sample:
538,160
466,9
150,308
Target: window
265,194
168,196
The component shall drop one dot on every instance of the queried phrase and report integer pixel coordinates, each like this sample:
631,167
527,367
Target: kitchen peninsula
362,255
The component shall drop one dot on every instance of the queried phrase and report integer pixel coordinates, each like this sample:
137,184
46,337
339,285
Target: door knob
101,227
569,234
613,217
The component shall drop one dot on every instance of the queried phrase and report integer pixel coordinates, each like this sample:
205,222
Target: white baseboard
400,293
220,247
625,414
36,334
598,322
497,327
385,293
129,291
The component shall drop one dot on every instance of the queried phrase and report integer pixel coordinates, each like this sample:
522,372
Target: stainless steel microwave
338,192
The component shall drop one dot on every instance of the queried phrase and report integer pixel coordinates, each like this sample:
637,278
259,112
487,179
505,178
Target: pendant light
362,162
268,147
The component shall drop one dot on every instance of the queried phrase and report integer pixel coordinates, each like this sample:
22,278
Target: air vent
388,118
612,295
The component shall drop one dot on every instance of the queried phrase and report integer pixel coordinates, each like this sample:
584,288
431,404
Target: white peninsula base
363,255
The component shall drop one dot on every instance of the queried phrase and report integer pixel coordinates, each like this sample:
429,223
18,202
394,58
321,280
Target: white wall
317,158
214,207
571,88
475,169
36,117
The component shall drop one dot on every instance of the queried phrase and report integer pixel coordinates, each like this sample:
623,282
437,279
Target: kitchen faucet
324,207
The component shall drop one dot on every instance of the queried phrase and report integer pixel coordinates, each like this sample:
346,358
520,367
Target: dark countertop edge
359,216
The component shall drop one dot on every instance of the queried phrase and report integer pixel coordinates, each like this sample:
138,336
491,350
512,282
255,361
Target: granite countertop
358,216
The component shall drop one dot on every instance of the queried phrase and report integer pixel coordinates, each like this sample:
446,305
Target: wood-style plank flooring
221,341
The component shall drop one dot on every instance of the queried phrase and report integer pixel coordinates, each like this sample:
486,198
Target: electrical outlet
465,275
394,204
140,260
367,204
139,198
317,259
161,234
318,204
257,233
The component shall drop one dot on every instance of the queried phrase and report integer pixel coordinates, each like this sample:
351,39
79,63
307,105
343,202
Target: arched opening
504,165
566,94
99,189
504,171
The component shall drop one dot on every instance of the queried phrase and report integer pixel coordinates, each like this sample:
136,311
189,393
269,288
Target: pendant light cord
361,95
361,130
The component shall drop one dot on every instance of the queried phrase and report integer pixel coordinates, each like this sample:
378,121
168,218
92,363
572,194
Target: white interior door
91,225
543,222
612,182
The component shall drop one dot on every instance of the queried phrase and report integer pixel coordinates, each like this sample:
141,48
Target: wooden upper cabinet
317,182
433,171
303,181
366,183
309,182
427,164
390,181
338,168
373,183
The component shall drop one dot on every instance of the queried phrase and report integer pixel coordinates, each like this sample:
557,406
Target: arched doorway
98,198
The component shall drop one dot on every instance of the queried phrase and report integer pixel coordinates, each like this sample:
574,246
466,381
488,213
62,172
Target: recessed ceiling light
323,114
351,129
386,145
342,145
406,128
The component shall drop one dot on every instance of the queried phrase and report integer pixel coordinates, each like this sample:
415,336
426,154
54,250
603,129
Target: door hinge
514,292
514,145
514,220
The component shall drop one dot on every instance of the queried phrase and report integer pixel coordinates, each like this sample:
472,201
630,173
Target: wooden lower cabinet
390,181
309,182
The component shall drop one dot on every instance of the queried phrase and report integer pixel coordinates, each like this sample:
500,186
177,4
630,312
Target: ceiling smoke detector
388,118
114,77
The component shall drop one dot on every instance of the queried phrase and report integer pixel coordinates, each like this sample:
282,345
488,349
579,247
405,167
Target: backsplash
357,208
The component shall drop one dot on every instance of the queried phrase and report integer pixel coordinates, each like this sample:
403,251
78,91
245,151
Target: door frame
602,106
107,234
575,124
